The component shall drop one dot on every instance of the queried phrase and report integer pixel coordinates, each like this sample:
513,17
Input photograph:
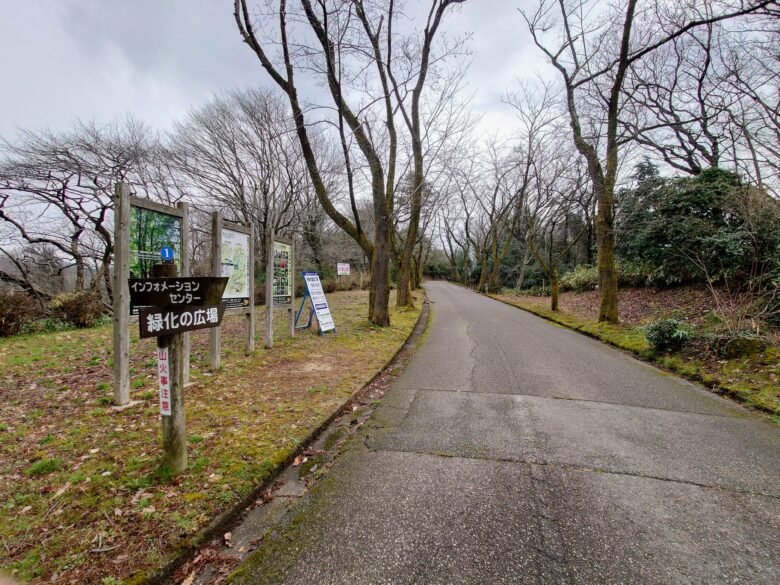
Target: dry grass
82,498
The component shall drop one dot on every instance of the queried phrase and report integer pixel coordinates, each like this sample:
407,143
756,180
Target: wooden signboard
174,292
157,321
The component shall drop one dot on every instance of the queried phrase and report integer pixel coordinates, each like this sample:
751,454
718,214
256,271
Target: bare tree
592,50
239,154
56,191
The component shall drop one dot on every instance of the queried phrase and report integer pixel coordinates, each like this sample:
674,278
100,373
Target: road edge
708,382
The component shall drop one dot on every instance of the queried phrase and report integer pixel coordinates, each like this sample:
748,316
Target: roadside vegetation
82,496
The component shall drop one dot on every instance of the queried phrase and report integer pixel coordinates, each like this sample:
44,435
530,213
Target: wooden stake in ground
250,316
121,295
269,288
185,271
291,310
215,334
171,379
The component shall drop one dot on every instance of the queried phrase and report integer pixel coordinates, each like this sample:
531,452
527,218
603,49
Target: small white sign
342,269
319,301
163,376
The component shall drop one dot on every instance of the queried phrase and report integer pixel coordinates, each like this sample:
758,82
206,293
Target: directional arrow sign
157,321
176,292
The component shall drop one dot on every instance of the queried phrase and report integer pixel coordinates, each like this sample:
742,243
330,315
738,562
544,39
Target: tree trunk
554,289
523,267
607,264
379,293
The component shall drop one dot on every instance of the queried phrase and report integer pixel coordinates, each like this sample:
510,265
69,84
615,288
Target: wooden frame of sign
270,296
123,202
236,304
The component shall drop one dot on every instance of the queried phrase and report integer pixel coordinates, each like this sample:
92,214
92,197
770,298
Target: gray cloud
61,60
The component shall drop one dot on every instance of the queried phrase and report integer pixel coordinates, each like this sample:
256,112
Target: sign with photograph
235,265
318,301
153,236
342,269
282,276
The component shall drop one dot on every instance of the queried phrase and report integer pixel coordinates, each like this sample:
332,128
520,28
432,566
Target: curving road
514,451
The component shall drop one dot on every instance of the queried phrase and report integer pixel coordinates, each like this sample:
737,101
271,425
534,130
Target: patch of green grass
44,467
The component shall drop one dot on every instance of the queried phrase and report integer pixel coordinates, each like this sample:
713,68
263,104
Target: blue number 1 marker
167,253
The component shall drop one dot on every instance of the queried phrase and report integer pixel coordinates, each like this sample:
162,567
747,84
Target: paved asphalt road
514,451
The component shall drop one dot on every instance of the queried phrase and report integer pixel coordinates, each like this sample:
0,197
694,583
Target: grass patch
75,473
44,467
753,380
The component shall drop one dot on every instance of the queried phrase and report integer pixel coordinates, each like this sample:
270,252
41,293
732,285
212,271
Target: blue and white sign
318,301
166,253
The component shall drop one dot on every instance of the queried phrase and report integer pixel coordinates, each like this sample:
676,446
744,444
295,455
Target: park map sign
235,265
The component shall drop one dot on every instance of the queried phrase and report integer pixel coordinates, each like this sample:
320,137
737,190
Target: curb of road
713,385
218,524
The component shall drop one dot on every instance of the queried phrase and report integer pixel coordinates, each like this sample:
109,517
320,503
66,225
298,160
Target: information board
235,265
282,275
318,301
342,269
151,232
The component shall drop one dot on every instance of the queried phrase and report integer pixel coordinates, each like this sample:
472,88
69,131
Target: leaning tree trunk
523,267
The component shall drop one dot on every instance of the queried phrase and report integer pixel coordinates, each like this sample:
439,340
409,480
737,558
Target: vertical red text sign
163,375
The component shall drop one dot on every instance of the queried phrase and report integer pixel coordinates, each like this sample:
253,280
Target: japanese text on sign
318,301
156,321
163,376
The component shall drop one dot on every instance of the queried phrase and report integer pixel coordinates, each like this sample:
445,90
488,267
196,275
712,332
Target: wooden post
186,342
292,287
250,316
269,288
215,333
174,437
121,295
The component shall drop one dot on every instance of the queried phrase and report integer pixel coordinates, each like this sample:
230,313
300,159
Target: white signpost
319,302
342,269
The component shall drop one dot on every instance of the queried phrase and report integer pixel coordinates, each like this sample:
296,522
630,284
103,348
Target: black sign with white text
157,321
176,292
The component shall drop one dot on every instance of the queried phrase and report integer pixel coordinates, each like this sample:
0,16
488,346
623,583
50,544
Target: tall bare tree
593,48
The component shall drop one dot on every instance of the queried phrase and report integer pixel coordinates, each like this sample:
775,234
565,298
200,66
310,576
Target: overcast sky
67,59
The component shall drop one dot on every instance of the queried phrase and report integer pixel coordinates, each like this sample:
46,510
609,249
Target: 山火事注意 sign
173,292
318,301
164,379
157,321
342,269
282,283
236,252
